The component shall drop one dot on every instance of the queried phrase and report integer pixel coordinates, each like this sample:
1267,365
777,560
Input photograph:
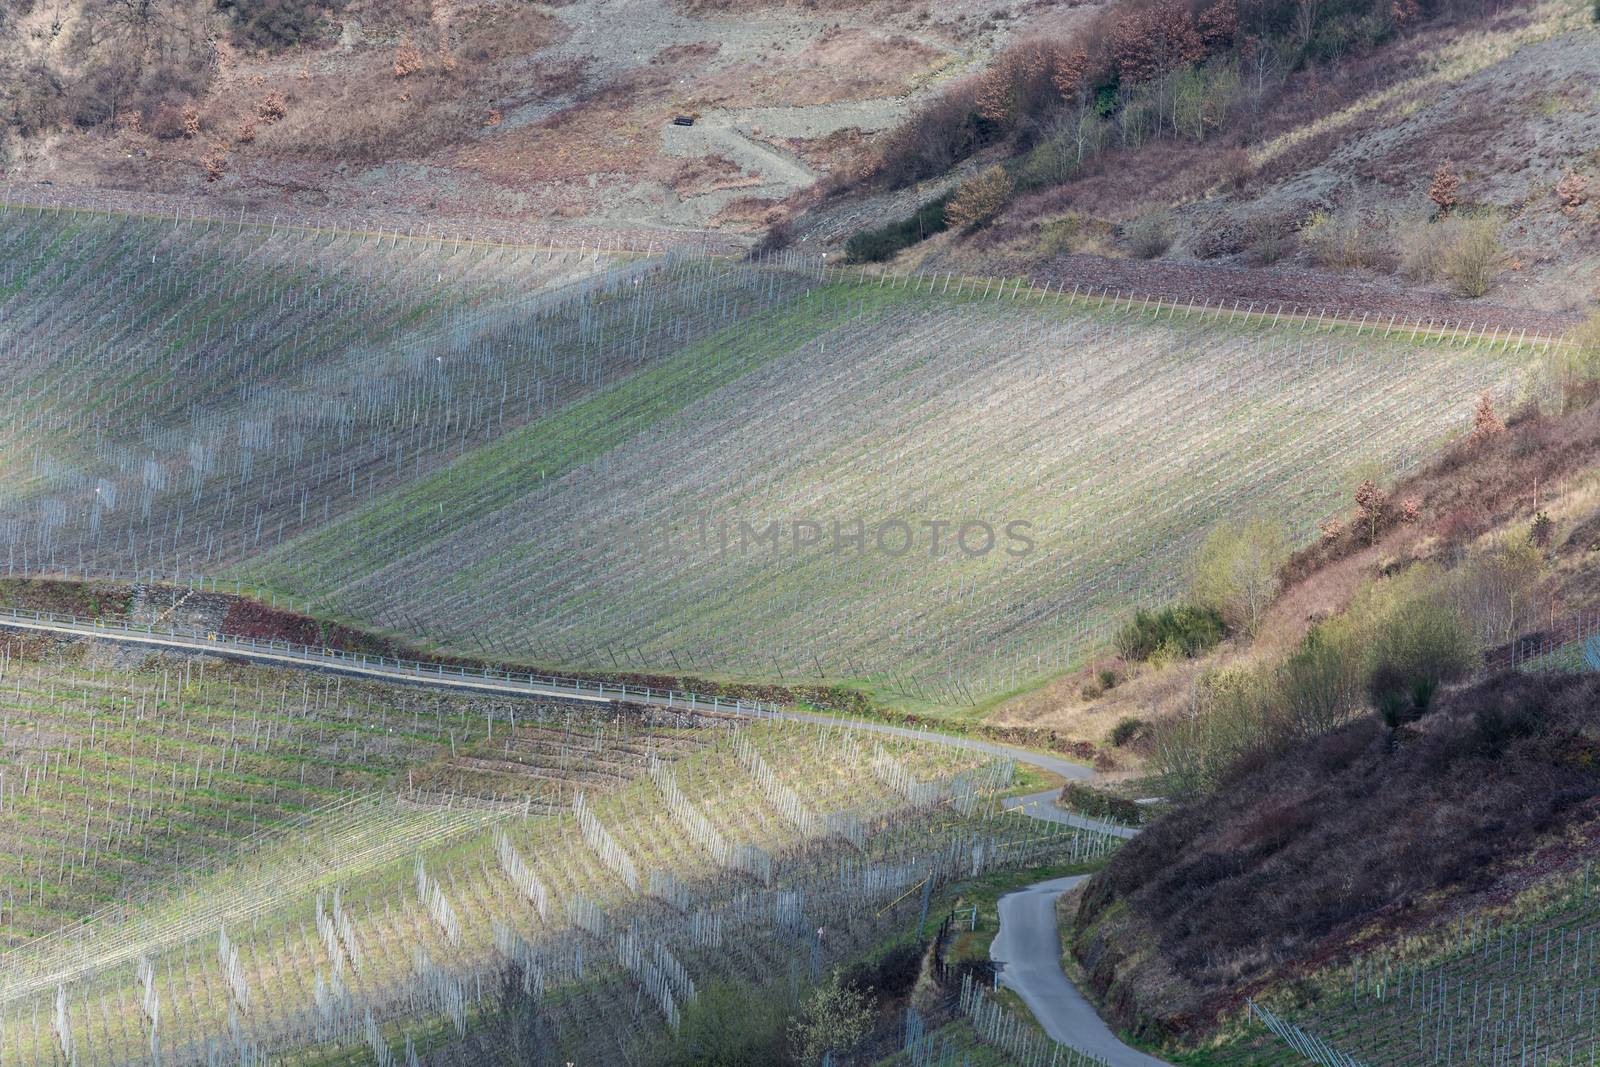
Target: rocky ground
551,114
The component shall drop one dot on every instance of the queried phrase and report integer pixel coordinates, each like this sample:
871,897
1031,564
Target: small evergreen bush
1183,630
875,246
1125,731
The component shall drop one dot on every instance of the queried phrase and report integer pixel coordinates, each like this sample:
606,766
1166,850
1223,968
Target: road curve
1028,952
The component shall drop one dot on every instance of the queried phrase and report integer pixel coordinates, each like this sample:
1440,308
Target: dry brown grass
748,213
710,174
494,35
609,134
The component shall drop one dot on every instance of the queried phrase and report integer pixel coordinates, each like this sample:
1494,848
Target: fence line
1003,1028
480,233
1266,312
1305,1043
1571,644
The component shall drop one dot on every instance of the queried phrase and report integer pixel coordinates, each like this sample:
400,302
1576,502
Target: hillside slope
476,879
487,109
1301,158
1353,843
650,542
590,475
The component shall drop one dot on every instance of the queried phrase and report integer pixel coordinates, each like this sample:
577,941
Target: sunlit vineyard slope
1114,438
686,464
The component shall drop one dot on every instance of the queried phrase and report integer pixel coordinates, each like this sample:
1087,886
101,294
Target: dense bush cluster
1098,804
875,246
1463,251
1398,643
275,24
1178,632
1139,71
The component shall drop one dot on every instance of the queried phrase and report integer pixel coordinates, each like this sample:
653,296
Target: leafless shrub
1473,260
1354,237
979,199
1149,236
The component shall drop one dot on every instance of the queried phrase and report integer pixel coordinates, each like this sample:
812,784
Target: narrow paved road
528,686
1043,806
1028,950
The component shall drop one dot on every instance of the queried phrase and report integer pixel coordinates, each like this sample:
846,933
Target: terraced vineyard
112,780
678,464
604,865
914,408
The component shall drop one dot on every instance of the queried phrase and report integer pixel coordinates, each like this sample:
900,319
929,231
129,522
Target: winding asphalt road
1028,950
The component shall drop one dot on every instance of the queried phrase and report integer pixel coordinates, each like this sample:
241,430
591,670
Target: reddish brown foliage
1573,191
1372,507
1071,73
1023,81
1446,185
1150,42
272,107
1218,25
407,60
216,162
1485,423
